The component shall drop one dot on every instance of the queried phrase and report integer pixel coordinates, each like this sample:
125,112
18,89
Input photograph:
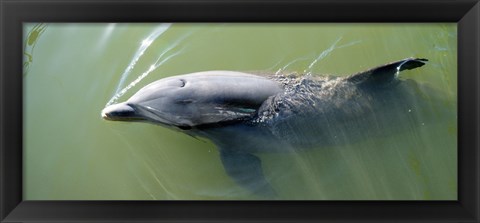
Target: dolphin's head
198,99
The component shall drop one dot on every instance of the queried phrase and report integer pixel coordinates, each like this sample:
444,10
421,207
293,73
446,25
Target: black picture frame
466,13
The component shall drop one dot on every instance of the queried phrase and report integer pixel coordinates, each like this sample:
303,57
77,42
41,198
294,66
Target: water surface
72,71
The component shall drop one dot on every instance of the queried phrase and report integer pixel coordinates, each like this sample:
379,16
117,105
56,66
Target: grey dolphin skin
245,114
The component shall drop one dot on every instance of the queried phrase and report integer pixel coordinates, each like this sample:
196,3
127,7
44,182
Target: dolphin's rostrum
244,114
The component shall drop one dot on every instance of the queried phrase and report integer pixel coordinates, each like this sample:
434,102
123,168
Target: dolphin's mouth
153,115
134,113
120,112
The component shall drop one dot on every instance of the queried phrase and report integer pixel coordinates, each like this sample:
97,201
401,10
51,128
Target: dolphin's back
323,111
333,112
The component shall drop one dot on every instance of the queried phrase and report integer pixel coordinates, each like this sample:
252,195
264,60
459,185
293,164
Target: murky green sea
71,71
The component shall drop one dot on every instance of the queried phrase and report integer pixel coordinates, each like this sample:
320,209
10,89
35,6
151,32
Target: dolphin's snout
119,112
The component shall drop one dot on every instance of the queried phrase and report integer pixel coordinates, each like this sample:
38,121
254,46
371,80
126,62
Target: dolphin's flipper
246,170
387,73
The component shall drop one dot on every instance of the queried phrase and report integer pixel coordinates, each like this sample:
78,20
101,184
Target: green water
71,71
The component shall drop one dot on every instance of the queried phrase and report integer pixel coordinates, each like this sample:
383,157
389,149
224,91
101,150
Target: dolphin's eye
184,102
183,82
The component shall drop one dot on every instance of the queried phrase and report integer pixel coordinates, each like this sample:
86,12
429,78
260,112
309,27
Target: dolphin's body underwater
244,114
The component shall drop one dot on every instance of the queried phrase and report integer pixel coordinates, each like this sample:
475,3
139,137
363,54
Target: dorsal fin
385,74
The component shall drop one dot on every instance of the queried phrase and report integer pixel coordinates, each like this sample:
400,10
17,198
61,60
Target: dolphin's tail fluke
386,73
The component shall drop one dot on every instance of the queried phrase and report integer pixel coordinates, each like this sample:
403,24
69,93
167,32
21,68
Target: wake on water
156,33
145,44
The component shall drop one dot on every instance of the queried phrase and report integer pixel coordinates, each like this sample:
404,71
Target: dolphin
246,114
